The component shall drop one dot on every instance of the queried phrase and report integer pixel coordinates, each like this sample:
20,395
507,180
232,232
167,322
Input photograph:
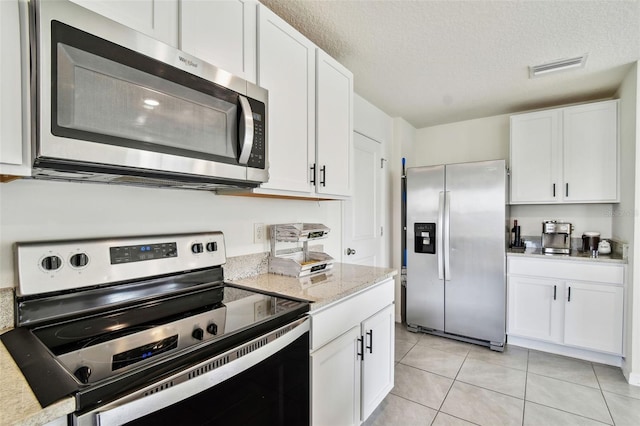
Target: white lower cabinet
352,349
568,303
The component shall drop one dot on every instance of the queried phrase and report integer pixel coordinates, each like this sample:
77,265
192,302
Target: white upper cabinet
310,121
334,123
590,152
286,68
14,146
565,155
155,18
221,32
535,157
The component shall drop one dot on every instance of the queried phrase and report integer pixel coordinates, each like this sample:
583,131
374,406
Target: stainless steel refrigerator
457,235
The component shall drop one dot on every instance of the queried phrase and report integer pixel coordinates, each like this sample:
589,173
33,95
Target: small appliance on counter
556,237
517,244
590,242
298,261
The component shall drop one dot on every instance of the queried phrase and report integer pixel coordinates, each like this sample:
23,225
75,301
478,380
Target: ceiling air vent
556,66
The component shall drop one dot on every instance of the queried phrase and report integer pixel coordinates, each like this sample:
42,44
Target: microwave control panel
258,158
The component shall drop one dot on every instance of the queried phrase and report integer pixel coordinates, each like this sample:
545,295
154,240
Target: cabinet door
334,126
593,316
535,308
591,152
286,68
14,149
335,381
535,158
155,18
377,376
222,33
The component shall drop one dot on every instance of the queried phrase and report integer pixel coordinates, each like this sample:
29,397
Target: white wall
33,210
461,142
626,222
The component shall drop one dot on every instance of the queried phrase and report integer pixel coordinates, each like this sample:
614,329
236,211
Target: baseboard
634,379
602,358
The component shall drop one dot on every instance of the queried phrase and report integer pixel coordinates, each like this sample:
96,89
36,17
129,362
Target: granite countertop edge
19,404
345,280
575,256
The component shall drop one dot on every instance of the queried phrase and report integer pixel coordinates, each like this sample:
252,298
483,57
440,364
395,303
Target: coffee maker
556,237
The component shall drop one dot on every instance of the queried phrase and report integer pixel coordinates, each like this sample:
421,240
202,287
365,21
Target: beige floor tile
403,334
402,348
493,377
482,406
444,344
512,357
538,415
577,399
443,419
624,410
433,360
562,368
420,386
396,411
612,380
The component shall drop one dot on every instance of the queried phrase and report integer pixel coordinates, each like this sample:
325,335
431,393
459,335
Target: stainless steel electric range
144,330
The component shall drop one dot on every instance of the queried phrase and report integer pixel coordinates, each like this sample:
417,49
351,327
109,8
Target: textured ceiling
434,62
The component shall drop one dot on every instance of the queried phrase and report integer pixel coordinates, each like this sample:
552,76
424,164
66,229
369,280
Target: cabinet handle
323,172
361,346
569,298
313,174
554,190
554,292
370,347
566,190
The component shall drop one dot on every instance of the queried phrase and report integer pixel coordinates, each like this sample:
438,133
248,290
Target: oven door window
272,392
105,93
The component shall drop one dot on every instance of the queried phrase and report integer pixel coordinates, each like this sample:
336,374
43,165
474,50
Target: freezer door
425,286
475,290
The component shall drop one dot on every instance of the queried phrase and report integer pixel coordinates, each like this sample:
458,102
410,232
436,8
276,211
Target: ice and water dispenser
425,237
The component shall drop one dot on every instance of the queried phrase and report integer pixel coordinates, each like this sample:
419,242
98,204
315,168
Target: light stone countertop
574,256
18,404
323,289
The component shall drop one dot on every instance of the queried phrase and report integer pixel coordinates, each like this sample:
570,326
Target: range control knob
212,246
79,260
83,373
212,328
51,263
198,334
197,248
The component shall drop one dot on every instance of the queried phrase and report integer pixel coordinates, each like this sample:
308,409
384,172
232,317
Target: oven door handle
137,405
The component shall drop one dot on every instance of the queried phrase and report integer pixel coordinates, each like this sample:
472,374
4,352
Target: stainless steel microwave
112,105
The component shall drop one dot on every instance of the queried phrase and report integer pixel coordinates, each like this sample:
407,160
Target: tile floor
445,382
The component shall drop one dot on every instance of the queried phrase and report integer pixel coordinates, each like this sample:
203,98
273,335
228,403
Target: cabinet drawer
567,270
336,319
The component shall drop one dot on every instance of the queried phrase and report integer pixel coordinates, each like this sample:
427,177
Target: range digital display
138,253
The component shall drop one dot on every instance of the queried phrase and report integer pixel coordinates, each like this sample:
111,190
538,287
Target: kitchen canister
604,247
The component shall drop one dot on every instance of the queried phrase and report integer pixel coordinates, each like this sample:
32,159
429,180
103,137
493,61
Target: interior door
361,214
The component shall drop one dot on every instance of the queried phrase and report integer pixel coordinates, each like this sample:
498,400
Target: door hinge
381,231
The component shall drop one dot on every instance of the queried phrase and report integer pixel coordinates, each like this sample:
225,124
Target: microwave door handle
246,130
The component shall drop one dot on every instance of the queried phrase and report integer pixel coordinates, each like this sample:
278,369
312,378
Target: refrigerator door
475,290
425,264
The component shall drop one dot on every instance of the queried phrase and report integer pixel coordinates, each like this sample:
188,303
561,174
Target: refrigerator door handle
439,247
447,235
